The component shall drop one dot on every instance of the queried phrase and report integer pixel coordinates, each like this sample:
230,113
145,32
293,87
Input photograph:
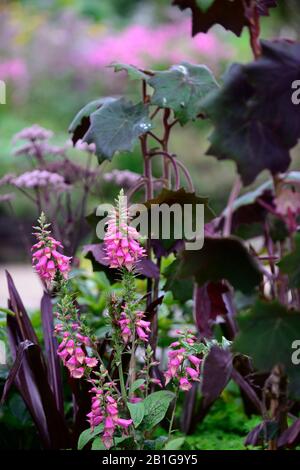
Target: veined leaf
115,126
182,89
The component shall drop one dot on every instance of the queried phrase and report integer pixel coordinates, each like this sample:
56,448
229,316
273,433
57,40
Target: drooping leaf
220,258
87,435
81,122
115,127
137,412
290,264
255,121
156,407
216,374
134,73
209,304
182,89
291,436
231,14
275,329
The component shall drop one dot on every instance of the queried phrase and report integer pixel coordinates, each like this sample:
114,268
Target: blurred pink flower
13,69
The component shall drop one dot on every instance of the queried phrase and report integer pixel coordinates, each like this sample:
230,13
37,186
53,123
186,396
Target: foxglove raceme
121,240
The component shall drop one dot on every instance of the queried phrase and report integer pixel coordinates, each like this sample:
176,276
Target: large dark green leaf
115,127
182,88
267,333
221,258
290,264
255,121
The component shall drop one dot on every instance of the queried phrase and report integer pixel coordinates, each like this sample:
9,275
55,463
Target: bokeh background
54,58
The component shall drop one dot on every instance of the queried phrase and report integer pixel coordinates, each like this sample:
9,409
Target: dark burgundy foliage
261,124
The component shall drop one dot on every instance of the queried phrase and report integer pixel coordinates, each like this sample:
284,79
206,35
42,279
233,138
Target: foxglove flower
182,365
105,409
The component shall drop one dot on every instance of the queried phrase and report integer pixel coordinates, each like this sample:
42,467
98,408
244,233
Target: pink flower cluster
105,409
40,178
33,133
128,326
47,260
121,243
71,350
183,365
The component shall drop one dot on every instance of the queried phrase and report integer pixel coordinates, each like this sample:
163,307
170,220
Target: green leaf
174,444
87,435
81,121
136,385
134,73
98,444
116,126
267,333
137,412
103,331
156,407
221,258
290,264
182,89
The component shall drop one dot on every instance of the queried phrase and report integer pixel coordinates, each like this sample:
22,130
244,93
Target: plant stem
122,383
173,412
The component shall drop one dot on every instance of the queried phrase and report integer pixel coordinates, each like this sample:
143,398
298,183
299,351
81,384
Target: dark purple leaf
15,369
262,433
247,389
22,317
216,374
209,304
51,345
220,258
255,120
96,252
31,379
232,15
291,436
147,268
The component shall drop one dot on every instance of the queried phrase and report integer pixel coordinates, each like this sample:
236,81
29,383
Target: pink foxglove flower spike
121,240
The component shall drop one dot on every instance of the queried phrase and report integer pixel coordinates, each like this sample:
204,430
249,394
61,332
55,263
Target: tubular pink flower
91,361
121,240
124,423
194,360
47,260
184,384
192,373
77,373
